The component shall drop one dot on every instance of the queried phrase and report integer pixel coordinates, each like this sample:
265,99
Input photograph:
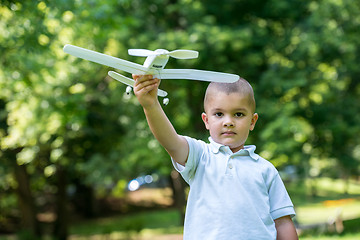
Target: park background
72,140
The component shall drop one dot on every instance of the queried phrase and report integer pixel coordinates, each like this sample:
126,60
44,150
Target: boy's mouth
228,133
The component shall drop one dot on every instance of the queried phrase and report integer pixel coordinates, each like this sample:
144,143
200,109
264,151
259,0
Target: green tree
63,122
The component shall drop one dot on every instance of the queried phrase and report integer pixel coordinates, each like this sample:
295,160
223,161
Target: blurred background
77,160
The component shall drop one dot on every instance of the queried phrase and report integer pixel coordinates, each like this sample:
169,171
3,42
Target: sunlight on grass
319,213
335,237
328,202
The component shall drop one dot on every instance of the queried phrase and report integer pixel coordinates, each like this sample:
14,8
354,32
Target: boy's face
229,118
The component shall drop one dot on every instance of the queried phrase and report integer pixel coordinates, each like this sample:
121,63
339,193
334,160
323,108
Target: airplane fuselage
157,62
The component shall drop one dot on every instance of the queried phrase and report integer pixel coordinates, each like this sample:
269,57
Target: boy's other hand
145,89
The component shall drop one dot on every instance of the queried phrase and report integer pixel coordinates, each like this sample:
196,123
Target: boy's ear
254,119
205,120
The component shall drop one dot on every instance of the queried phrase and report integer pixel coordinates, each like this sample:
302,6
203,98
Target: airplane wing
135,68
130,82
200,75
105,59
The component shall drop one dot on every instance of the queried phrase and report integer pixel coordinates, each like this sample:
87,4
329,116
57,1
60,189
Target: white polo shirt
232,195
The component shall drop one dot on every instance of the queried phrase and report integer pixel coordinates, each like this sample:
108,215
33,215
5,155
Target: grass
159,222
320,213
351,231
145,225
165,224
329,201
334,237
317,209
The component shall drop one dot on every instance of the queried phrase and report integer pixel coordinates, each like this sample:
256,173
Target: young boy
234,193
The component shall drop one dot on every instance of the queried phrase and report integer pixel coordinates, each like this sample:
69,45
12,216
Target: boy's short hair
241,86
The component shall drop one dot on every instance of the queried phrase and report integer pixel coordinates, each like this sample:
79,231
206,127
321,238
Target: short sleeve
280,202
195,151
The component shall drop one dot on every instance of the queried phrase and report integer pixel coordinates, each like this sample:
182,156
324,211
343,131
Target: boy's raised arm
145,89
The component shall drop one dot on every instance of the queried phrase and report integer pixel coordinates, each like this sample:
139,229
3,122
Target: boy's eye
239,114
218,114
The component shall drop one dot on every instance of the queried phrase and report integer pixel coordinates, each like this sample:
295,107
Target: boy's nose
228,122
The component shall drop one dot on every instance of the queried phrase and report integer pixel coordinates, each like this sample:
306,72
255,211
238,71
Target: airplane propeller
180,54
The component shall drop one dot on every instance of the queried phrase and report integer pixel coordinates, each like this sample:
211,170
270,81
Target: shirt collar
248,150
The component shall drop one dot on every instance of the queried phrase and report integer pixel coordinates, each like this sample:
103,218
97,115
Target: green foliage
300,56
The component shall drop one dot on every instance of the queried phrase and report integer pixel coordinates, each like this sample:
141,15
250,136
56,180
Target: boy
234,193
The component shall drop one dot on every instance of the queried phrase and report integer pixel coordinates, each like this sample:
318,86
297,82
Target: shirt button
230,166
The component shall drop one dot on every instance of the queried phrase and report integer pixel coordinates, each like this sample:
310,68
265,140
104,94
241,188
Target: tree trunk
29,223
84,200
178,187
61,223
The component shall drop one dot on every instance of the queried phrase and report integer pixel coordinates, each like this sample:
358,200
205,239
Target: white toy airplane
154,64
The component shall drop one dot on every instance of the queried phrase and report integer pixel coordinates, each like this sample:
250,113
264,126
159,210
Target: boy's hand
145,89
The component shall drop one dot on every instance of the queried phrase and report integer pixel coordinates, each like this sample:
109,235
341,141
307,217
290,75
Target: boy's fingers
146,84
148,88
142,77
144,80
